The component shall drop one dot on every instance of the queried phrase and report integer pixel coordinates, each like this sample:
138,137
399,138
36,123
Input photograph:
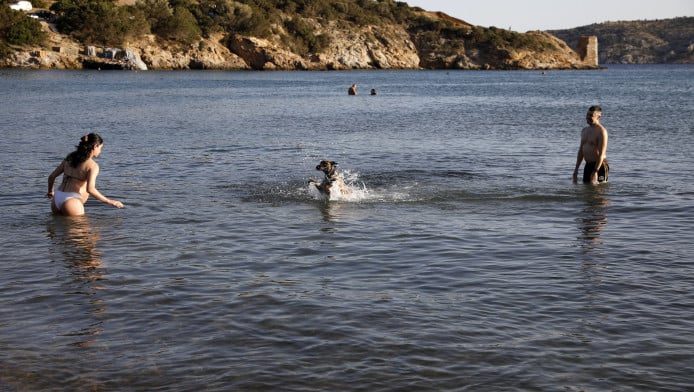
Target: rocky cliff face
640,42
356,47
460,54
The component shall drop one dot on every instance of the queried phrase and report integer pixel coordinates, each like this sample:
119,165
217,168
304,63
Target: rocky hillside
640,42
415,39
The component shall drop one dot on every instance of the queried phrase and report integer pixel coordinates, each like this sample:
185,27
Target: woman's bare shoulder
91,165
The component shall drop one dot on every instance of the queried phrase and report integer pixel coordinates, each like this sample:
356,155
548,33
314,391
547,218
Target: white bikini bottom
59,197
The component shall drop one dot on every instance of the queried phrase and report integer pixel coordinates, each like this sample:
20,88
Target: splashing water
355,190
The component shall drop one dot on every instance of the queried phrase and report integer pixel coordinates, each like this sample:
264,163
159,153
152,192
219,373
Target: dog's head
327,167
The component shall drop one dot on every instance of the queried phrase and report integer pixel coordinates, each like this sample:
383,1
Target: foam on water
356,190
359,191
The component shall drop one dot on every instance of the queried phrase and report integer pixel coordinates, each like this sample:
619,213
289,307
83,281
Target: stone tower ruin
588,49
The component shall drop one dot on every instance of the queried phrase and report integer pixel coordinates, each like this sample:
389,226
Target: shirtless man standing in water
593,149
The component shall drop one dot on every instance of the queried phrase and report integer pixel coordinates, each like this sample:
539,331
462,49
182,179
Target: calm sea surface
465,259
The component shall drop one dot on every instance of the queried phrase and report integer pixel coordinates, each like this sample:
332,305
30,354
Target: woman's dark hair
84,149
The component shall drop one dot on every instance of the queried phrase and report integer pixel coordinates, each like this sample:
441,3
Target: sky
524,15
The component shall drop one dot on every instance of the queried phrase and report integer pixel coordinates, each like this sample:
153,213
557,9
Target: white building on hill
22,5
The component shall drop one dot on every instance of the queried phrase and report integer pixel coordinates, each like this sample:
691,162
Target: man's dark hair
595,108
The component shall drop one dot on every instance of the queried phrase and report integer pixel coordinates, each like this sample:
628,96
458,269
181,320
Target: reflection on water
593,218
331,212
591,222
77,240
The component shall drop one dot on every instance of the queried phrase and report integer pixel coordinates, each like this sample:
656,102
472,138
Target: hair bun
85,138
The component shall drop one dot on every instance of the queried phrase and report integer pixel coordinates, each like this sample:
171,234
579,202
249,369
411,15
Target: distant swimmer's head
594,114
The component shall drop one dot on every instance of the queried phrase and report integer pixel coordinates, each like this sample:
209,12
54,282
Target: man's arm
601,143
602,147
579,159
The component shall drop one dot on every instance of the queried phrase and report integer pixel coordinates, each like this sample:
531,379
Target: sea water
464,258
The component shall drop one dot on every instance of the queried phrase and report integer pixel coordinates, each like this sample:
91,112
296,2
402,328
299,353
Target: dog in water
331,179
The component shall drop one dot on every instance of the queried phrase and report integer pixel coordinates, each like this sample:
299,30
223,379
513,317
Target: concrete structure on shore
588,49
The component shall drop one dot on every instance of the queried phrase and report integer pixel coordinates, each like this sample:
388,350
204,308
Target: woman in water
79,172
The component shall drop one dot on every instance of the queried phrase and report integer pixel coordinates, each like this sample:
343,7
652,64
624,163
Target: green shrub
99,21
157,14
16,28
304,39
182,26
